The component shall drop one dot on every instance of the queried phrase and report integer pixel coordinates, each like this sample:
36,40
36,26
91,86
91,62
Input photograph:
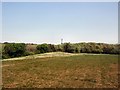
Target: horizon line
58,43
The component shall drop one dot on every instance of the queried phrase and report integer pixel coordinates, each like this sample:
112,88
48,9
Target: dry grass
44,55
50,54
80,71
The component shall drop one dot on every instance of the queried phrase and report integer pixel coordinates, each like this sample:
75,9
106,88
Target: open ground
52,70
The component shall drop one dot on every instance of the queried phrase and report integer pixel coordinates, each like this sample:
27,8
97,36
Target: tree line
10,50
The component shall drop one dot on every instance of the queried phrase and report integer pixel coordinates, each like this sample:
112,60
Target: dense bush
59,48
20,49
13,50
43,48
51,48
67,47
71,48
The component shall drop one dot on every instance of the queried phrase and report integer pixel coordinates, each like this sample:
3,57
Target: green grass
81,71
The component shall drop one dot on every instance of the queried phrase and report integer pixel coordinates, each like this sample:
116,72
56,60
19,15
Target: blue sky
49,22
0,21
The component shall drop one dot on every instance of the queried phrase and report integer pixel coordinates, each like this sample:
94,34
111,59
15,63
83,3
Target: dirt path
51,54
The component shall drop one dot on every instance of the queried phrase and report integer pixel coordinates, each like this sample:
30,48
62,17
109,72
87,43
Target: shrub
4,56
67,47
14,50
59,48
43,48
51,48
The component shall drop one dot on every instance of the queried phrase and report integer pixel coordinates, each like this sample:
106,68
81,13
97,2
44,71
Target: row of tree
11,50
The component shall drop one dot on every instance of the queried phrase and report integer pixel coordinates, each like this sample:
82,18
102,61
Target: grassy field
79,71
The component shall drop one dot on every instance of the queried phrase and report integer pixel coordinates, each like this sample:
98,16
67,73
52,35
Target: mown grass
81,71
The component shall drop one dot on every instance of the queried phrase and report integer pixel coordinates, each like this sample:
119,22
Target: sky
0,21
48,22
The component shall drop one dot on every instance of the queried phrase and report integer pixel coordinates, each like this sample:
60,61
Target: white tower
61,41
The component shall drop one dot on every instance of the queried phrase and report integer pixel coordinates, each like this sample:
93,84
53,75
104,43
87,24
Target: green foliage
99,48
10,50
77,50
5,56
70,48
29,53
14,50
59,48
43,48
51,48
